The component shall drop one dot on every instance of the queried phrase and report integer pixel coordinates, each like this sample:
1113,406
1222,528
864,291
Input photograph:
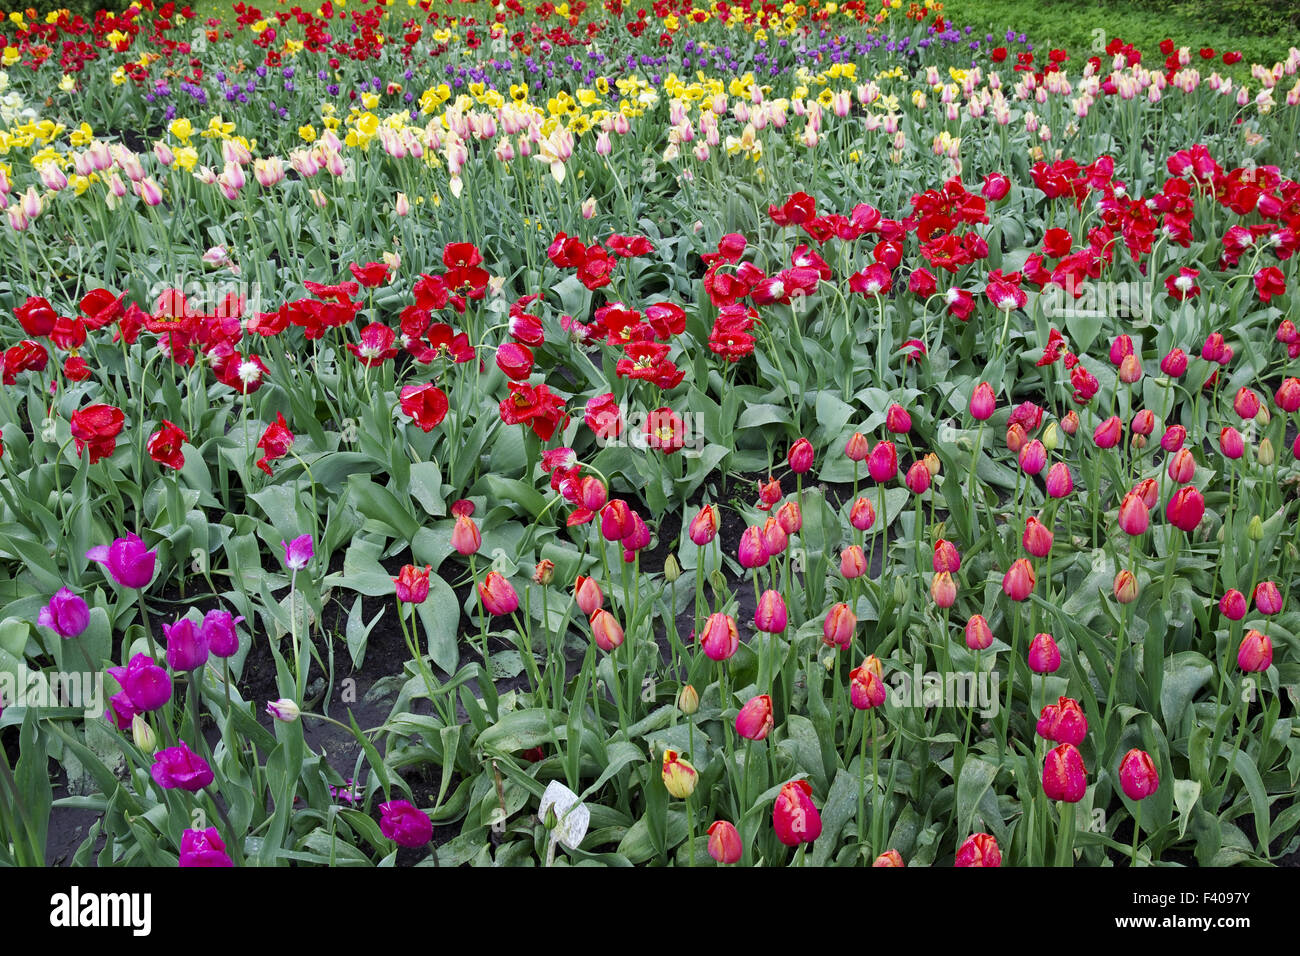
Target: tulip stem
862,788
690,829
1137,828
1065,834
970,483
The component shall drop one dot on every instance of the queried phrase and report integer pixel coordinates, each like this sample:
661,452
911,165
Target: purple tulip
121,711
180,767
203,848
219,629
404,824
66,614
146,685
187,645
298,552
127,560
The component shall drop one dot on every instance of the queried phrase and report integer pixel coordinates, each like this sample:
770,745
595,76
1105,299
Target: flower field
730,434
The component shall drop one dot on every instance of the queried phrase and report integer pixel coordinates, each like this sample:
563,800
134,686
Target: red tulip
979,849
412,584
498,594
882,463
275,442
996,186
794,815
866,689
838,625
1059,480
1255,653
770,613
720,638
1288,395
1064,776
1107,434
1182,466
426,404
801,456
1137,775
1233,605
1044,655
918,478
1173,438
1063,722
96,427
1018,582
1133,515
755,719
1231,443
724,843
164,445
752,550
897,420
790,517
853,563
1186,508
1246,403
979,636
605,630
1033,457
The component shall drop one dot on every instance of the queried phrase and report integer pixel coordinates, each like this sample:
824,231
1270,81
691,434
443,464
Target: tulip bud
465,536
857,447
1268,599
1032,457
866,689
853,563
770,613
801,456
704,526
1133,515
498,594
145,739
284,710
837,627
979,850
752,551
688,700
1265,454
1107,434
672,568
794,815
1173,438
946,557
1125,587
1186,508
1063,722
862,515
1231,443
918,478
1037,539
1018,582
1059,480
1182,466
1016,437
882,463
1070,423
720,639
755,719
983,402
588,595
1051,436
774,537
1233,605
890,858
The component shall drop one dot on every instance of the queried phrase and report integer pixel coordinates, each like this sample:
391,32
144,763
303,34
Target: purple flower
219,629
128,562
180,767
298,552
404,824
203,848
146,685
66,614
187,645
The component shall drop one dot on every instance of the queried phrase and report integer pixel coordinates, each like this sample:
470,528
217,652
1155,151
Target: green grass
1077,25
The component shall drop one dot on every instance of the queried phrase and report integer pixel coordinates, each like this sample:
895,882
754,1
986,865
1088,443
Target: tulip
66,615
1032,457
704,526
801,456
298,552
688,700
863,514
838,625
413,584
1255,653
588,595
890,858
203,848
866,689
1059,480
882,463
979,849
679,776
1137,775
720,638
142,735
1018,582
1037,539
774,537
1231,443
943,590
146,686
1063,722
770,613
1246,403
983,402
405,825
1288,395
857,447
979,636
465,536
1070,422
996,186
1173,438
897,420
1186,508
790,517
752,551
1107,434
1125,587
1064,776
605,630
284,710
1268,599
946,557
755,719
616,520
1133,515
1233,605
1130,369
724,843
1182,467
127,561
180,768
794,815
187,646
1174,364
1044,655
498,594
918,478
1016,437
